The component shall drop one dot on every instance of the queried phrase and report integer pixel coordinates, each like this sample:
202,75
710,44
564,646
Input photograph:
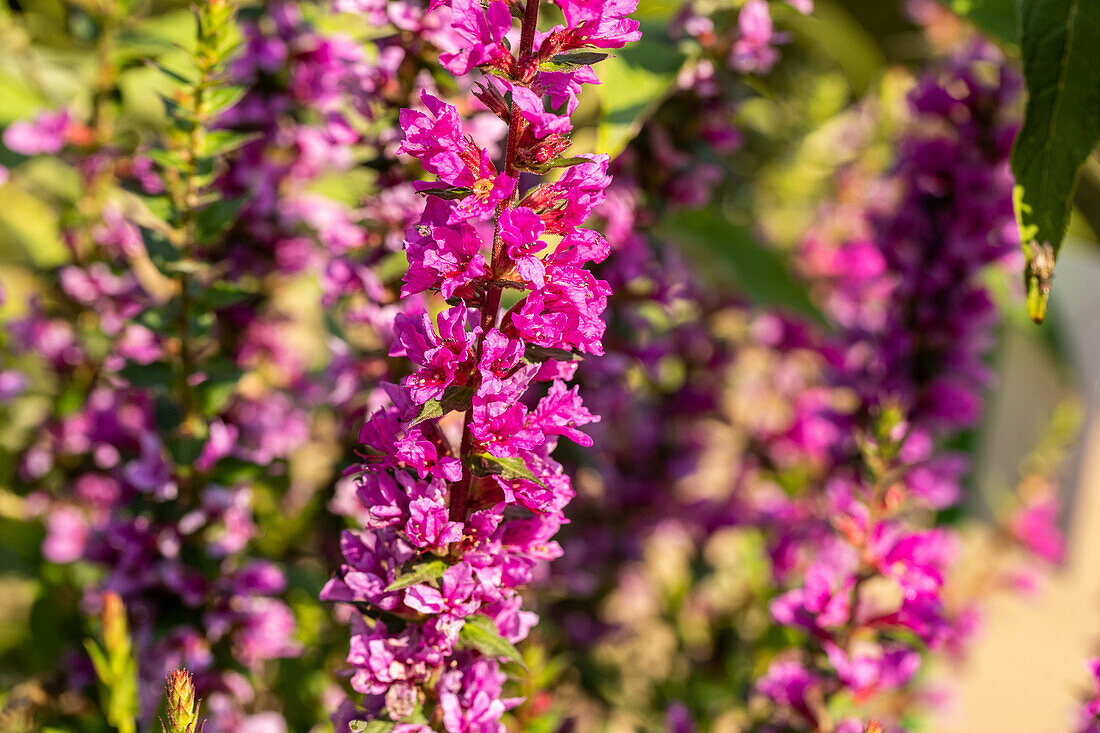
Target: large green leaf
633,83
1060,44
729,254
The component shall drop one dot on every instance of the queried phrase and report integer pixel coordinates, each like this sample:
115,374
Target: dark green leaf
222,295
214,392
479,632
157,374
420,573
572,61
450,193
215,218
1060,45
534,354
996,18
731,255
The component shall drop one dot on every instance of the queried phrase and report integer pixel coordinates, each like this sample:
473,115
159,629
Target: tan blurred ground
1027,671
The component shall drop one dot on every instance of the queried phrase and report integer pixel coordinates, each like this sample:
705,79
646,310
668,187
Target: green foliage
419,573
480,632
1060,44
455,397
996,18
513,467
116,667
732,254
633,84
374,726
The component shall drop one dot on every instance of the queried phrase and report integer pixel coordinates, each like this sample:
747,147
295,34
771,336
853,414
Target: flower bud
181,707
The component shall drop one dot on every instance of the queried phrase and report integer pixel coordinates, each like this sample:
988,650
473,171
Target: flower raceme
457,523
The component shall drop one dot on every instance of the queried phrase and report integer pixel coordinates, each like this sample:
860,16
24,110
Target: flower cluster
459,515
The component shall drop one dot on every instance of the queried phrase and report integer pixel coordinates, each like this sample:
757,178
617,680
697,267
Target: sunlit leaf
480,632
1060,43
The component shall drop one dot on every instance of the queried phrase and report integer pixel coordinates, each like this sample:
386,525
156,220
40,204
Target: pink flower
753,51
428,525
44,134
442,357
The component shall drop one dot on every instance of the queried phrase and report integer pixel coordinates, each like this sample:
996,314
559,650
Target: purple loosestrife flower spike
467,525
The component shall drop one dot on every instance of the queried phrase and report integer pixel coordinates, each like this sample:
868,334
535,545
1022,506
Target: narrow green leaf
99,659
374,726
172,74
220,142
224,294
1060,45
479,632
572,61
730,254
534,354
450,193
486,464
420,573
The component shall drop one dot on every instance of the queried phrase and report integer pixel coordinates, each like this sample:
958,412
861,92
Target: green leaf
166,159
222,98
99,659
558,162
730,254
157,374
455,397
1060,45
430,410
421,573
479,632
486,464
220,295
633,84
221,142
534,354
374,726
572,61
216,218
214,392
450,193
995,18
175,76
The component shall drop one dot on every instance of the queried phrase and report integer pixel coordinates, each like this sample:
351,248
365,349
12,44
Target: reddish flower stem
490,305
